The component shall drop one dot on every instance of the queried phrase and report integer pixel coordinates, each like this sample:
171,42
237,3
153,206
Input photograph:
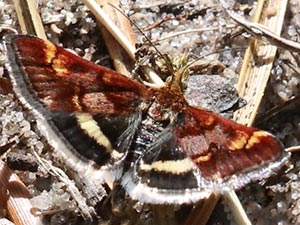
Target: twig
29,18
86,211
160,22
261,32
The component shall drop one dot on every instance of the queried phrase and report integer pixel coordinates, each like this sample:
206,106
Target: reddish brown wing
202,153
81,108
66,82
221,148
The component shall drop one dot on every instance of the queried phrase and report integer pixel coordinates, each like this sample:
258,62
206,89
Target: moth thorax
159,112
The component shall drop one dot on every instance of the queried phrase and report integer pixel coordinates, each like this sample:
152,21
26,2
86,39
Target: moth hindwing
161,149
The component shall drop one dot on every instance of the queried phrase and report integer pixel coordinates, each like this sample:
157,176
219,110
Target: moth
161,149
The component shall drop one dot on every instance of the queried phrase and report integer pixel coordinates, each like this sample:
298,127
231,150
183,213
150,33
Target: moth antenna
169,65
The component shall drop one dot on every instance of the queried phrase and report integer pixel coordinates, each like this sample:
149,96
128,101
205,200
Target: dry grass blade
202,212
116,53
111,27
29,18
258,63
236,208
255,74
122,33
18,204
252,83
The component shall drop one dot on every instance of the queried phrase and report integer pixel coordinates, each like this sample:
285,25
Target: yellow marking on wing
238,141
170,166
203,158
255,138
76,102
209,121
91,128
59,64
117,155
50,51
